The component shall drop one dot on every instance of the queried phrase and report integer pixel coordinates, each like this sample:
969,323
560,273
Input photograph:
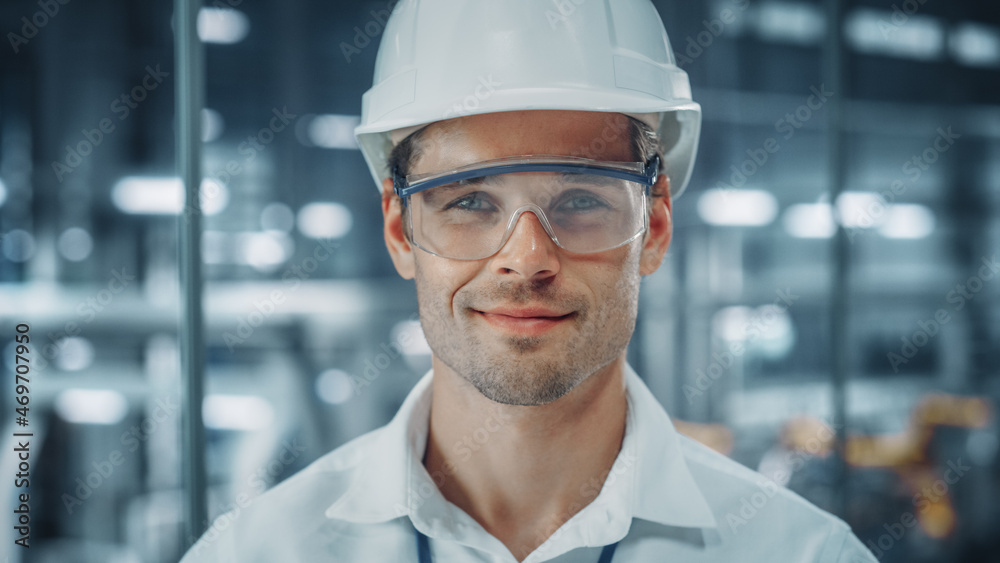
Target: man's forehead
470,139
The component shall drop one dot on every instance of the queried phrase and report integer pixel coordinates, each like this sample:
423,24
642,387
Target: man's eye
476,201
580,202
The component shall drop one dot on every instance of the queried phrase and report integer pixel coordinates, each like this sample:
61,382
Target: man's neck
521,472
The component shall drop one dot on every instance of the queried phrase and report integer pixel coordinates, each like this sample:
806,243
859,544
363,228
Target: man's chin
521,383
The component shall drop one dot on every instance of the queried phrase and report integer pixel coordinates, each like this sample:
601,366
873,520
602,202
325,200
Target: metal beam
190,85
834,76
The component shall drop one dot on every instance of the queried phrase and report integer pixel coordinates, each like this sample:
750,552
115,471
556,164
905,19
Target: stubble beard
526,370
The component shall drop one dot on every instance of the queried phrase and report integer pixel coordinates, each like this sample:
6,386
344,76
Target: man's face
528,324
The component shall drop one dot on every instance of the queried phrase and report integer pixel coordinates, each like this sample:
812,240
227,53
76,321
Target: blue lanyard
424,550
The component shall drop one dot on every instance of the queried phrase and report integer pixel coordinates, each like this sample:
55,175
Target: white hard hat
441,59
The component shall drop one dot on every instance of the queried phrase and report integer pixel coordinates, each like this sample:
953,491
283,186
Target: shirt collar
666,492
390,480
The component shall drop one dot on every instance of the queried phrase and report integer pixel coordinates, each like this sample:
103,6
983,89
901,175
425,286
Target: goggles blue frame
642,173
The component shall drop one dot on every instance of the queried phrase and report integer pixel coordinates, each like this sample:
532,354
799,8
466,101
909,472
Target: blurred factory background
313,340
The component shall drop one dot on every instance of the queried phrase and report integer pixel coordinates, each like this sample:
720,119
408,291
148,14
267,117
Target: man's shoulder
752,510
325,479
721,478
296,505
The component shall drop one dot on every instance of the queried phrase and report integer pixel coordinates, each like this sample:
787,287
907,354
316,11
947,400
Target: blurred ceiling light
333,131
767,329
91,406
777,333
263,251
3,193
860,210
74,353
793,22
409,337
161,358
975,44
164,195
877,32
277,217
809,220
222,25
237,412
18,245
214,196
212,125
737,208
907,221
134,194
736,25
730,323
334,386
75,244
325,220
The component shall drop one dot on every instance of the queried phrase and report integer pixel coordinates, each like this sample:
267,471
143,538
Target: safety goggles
584,205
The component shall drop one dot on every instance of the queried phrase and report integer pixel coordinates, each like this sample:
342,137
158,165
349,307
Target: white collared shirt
667,498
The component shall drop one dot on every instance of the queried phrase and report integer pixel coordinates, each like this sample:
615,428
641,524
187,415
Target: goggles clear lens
584,206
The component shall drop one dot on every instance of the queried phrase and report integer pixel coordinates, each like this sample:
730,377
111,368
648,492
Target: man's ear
395,239
661,227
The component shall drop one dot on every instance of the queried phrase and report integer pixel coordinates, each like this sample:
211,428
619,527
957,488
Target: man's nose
529,252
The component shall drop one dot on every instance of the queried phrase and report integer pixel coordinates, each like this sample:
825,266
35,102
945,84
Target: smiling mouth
524,322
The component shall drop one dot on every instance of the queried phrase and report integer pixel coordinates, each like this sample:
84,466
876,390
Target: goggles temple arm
652,172
399,185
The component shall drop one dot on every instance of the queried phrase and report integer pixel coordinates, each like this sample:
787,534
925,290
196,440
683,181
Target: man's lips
525,312
528,321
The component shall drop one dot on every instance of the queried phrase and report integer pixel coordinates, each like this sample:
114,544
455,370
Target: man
526,159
